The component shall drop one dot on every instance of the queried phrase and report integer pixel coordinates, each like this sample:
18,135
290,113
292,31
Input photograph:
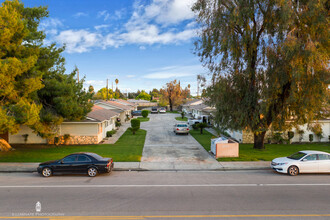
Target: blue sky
143,43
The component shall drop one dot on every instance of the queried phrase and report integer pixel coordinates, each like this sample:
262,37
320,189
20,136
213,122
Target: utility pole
78,74
107,91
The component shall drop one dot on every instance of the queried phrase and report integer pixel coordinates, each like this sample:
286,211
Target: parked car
89,163
137,113
200,119
154,110
303,162
162,110
181,128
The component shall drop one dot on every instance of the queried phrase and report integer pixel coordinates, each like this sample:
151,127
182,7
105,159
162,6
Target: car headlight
278,164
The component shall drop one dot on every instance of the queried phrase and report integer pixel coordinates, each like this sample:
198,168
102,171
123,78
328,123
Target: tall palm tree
116,81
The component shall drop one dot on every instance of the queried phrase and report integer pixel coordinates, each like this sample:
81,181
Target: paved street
172,151
169,195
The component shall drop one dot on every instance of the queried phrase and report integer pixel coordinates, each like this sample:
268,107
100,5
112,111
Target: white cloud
80,14
95,82
50,23
78,41
103,26
170,11
130,76
175,72
103,14
148,25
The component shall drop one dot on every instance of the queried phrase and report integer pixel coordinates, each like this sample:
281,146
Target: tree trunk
259,140
201,130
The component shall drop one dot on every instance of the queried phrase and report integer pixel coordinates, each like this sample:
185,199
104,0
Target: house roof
115,105
101,114
126,102
203,107
191,102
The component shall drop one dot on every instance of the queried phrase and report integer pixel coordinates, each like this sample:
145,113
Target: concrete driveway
166,150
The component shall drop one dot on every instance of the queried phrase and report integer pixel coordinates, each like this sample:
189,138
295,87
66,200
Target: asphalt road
168,195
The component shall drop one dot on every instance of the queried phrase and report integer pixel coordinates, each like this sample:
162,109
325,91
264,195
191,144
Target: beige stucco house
92,130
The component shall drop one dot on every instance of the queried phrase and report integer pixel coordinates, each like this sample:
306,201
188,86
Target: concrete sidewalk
150,166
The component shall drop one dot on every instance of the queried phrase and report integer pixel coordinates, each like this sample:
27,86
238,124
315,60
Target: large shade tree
269,60
34,91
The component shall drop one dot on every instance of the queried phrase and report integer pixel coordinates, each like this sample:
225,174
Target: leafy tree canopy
34,90
269,60
144,96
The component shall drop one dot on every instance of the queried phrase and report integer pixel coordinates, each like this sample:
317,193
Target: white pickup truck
200,119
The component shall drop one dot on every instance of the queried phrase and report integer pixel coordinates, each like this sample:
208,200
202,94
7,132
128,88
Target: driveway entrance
165,149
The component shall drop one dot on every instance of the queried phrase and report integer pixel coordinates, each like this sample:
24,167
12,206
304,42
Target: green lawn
175,112
180,119
128,148
143,119
247,153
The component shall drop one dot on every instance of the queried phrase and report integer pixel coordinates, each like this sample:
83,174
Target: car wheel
46,172
293,170
92,172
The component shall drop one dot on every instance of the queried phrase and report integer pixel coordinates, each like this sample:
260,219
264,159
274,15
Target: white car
303,162
162,110
181,128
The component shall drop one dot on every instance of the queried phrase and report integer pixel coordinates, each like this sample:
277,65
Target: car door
82,163
65,164
309,164
324,163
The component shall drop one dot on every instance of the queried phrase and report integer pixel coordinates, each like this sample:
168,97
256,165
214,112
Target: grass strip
128,148
247,153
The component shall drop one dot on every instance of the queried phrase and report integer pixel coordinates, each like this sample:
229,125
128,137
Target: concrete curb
138,166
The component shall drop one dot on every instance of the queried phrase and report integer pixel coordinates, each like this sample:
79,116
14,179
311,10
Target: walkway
119,133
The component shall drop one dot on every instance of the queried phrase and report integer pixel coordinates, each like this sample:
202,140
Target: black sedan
77,163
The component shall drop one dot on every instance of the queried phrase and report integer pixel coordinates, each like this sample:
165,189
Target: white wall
325,128
32,138
79,129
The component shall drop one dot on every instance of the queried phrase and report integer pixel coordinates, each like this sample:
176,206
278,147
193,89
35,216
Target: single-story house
127,103
122,109
187,107
92,130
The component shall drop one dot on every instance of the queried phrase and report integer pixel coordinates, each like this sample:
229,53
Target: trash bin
224,147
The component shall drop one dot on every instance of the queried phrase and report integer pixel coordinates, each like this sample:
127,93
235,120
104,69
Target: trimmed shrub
201,126
182,114
110,133
135,125
145,113
195,127
277,137
118,124
311,137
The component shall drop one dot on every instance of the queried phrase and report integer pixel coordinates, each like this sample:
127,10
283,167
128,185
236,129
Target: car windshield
182,125
297,156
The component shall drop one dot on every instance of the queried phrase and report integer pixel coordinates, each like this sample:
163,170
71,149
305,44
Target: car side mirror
304,160
61,161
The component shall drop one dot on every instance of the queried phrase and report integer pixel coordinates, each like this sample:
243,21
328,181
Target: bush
194,126
118,124
182,114
110,133
277,137
145,113
135,125
290,134
201,126
311,137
